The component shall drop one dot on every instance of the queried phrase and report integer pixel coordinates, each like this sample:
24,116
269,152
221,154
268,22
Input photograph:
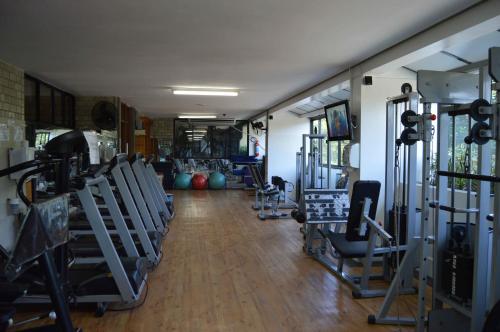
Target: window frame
68,113
339,143
226,155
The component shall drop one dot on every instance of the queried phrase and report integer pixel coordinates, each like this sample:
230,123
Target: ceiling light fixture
197,116
196,131
220,93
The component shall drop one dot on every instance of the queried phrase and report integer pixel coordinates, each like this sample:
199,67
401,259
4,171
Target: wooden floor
226,270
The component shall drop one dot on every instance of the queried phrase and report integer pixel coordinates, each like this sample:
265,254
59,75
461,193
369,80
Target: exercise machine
147,240
466,265
44,228
283,202
267,194
117,280
464,255
154,198
157,187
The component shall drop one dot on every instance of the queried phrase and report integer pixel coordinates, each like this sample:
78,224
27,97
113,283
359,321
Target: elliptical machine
43,232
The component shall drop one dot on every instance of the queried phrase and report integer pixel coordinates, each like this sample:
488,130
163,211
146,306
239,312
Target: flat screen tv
338,121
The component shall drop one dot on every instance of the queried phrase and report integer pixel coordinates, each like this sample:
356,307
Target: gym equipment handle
469,176
453,209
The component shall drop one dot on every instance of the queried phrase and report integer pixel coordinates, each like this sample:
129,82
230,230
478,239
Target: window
45,103
318,126
30,100
210,139
58,108
46,106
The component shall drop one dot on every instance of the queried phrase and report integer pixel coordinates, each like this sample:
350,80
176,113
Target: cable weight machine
461,243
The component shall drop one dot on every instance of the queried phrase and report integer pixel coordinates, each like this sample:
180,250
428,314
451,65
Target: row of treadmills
102,230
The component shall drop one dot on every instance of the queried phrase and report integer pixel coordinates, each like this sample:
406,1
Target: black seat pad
347,249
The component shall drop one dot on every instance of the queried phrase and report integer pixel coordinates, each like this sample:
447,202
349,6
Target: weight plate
405,136
474,109
475,133
406,88
405,118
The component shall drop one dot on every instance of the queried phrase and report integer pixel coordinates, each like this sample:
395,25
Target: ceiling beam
456,57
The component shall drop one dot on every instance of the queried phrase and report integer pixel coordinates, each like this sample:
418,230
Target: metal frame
403,278
146,183
151,202
257,203
339,143
359,283
158,189
115,214
442,88
262,193
126,293
478,307
139,226
147,218
105,243
494,71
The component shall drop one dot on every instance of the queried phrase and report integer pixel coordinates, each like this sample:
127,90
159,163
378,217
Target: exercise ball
216,180
182,181
199,181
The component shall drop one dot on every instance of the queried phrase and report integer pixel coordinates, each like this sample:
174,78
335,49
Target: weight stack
402,225
457,275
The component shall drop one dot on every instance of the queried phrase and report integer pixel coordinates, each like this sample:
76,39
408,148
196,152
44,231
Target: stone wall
163,130
12,128
83,110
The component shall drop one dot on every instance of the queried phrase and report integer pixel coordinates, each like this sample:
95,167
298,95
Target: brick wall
83,109
12,128
163,130
11,93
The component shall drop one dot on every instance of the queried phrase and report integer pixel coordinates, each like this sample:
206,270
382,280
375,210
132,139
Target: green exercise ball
182,181
216,180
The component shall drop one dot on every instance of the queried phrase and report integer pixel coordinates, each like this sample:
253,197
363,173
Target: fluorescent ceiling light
197,116
196,131
202,87
220,93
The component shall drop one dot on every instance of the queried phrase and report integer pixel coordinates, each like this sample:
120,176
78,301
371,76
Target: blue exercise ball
217,180
182,181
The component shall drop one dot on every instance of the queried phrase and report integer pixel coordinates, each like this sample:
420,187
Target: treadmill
116,280
151,196
137,222
157,187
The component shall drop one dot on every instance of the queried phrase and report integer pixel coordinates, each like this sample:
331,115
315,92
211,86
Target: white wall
373,125
260,136
285,140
